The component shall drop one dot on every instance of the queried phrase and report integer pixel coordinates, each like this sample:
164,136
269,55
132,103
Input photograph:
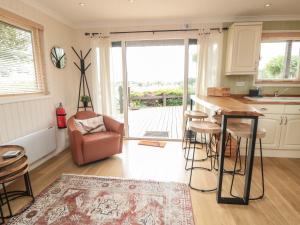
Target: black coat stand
83,86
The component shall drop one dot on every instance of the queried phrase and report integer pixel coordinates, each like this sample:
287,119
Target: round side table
10,170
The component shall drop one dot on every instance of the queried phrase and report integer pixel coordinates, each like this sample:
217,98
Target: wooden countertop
226,105
248,101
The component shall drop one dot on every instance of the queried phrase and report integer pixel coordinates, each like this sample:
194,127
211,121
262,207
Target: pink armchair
91,147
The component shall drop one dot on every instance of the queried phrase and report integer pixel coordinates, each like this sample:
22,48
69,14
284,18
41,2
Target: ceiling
109,12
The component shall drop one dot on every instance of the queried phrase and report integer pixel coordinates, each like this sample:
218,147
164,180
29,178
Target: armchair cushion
91,125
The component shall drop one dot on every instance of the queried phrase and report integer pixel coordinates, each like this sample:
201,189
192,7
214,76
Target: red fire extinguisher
61,117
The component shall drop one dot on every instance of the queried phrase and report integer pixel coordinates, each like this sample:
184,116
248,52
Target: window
21,67
279,61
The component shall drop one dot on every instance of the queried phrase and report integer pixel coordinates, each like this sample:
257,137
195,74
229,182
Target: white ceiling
109,12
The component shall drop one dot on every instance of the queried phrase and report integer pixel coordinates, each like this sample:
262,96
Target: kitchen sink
274,99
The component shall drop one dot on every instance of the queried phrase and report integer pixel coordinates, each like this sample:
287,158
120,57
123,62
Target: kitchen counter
248,101
229,108
226,105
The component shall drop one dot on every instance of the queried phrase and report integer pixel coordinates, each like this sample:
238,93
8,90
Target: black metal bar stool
243,130
218,120
213,131
188,135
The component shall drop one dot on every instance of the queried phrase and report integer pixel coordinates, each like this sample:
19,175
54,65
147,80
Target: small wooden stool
243,130
207,128
187,134
10,170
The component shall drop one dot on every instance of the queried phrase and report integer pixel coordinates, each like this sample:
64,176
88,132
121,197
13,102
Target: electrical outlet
240,84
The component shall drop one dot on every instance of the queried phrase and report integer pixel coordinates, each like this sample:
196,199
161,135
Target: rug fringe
123,178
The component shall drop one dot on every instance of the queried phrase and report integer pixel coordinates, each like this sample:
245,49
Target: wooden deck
168,118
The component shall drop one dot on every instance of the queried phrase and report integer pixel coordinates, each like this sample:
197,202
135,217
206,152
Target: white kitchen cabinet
269,109
243,48
272,124
290,133
282,125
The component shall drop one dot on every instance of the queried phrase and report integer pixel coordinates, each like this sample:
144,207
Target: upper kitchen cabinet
243,48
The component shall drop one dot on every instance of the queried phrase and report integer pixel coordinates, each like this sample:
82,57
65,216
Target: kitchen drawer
292,109
266,109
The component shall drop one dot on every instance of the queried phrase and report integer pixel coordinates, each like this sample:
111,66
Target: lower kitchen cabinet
290,132
282,127
272,124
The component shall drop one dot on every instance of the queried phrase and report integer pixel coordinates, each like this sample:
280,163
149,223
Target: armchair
94,146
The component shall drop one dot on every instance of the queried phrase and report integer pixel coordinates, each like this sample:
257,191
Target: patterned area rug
79,200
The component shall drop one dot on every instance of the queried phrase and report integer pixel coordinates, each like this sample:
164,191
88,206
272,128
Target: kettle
255,92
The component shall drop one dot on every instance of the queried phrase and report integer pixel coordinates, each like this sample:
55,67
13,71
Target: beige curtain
101,84
209,61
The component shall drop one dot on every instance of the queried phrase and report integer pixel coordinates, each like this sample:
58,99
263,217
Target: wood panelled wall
21,118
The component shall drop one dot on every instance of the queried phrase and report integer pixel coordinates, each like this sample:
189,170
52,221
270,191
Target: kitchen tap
278,93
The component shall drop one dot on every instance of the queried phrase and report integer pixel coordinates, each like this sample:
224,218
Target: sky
150,64
155,63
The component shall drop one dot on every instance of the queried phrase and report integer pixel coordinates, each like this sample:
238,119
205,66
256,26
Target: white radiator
37,144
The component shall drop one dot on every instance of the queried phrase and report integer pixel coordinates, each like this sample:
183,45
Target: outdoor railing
162,97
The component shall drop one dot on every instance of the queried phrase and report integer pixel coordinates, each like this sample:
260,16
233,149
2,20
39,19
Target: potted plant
85,100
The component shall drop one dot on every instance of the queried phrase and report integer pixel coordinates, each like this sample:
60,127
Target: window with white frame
279,60
21,67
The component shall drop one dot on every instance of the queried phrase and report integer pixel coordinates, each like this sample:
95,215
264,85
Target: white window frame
279,36
37,31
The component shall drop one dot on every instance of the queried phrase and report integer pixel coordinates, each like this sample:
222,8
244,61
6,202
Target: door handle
286,120
256,65
281,119
263,109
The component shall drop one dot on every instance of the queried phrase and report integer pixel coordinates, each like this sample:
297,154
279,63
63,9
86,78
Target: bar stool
188,134
207,128
217,118
243,130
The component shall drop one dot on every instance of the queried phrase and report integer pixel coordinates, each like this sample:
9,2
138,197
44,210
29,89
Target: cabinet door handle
263,109
281,119
286,120
256,65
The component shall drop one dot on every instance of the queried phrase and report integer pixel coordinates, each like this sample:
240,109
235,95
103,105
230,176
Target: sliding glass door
117,81
151,81
155,77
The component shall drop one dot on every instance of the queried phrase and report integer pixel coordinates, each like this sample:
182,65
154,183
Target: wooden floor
280,206
168,118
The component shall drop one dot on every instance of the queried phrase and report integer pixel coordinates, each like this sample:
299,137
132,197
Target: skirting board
282,153
277,153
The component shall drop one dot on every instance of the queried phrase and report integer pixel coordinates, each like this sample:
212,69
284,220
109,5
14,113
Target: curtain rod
160,31
151,31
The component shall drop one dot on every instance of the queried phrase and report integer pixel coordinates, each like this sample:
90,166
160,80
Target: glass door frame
185,36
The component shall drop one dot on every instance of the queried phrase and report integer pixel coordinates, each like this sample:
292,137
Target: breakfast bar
230,108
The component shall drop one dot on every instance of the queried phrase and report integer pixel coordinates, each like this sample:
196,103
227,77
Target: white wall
24,117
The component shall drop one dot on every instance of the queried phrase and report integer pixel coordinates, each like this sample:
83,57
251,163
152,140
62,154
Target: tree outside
275,68
16,52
